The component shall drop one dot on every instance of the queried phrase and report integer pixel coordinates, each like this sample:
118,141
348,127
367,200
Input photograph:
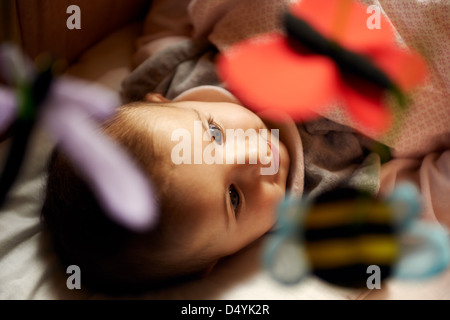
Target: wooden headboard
40,25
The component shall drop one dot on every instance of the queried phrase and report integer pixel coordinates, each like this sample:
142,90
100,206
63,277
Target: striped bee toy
345,233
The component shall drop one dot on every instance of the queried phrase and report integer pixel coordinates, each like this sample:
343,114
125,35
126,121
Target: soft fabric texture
179,67
336,156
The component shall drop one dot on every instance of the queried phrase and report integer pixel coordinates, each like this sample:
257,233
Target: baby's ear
155,97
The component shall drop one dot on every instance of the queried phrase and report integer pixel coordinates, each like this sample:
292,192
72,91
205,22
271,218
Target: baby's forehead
177,110
173,117
164,123
157,116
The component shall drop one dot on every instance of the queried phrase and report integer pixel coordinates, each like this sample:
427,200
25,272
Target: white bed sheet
29,268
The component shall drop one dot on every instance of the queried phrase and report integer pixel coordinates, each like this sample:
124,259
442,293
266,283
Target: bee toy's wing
424,251
284,255
424,246
285,260
406,204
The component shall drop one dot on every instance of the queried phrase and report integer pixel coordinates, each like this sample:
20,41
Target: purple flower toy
71,110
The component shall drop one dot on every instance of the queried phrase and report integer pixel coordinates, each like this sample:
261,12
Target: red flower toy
329,55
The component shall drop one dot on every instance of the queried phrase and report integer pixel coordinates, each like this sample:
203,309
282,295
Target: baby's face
227,204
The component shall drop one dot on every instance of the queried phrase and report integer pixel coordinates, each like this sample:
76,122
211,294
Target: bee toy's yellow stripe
367,249
342,213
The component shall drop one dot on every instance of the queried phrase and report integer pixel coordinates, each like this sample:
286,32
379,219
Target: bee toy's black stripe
347,231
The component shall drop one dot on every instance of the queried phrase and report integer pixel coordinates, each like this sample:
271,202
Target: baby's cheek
268,205
260,214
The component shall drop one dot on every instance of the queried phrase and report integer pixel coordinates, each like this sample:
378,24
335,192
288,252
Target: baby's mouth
273,161
290,138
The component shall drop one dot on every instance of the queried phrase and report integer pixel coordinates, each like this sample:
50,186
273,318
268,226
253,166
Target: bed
29,269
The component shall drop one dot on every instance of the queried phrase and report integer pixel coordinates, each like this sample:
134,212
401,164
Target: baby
208,211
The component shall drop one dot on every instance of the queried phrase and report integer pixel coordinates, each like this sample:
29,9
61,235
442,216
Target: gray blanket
334,155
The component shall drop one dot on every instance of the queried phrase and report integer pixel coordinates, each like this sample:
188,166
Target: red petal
345,21
364,102
266,73
407,69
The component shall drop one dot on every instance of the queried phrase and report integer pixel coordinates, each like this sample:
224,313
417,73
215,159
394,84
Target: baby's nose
253,151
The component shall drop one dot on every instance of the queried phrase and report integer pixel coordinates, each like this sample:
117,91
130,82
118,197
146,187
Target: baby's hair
112,258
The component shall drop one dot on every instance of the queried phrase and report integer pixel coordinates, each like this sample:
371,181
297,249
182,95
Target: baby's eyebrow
199,117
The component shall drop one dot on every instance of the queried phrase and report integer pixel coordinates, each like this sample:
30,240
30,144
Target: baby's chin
284,166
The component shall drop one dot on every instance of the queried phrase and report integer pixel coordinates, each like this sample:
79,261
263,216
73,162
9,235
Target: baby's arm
432,174
167,22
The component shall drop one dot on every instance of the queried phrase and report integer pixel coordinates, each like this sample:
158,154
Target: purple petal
95,100
7,108
120,187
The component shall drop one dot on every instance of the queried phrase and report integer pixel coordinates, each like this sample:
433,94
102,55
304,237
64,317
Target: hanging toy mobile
327,56
70,110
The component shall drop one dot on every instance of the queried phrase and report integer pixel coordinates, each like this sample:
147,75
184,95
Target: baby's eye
216,133
234,197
